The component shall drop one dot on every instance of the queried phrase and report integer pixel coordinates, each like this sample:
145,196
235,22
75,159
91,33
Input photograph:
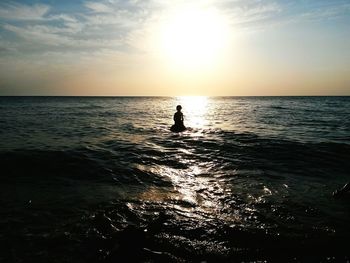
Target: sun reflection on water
190,191
195,109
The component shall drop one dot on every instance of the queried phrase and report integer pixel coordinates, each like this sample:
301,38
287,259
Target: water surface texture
88,179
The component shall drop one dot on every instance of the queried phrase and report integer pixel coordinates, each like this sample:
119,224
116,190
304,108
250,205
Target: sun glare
193,38
193,103
195,110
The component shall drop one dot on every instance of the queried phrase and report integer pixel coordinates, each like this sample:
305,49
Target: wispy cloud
326,12
98,7
247,13
38,34
16,11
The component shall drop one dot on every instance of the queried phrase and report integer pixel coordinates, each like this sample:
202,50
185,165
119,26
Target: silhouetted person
179,120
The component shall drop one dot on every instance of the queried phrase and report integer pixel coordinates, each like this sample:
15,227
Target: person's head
178,107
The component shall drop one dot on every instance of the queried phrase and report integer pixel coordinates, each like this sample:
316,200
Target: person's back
178,118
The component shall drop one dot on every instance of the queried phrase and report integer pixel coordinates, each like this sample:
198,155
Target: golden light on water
195,109
194,104
186,185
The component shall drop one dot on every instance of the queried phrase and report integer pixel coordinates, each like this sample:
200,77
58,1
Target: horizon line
171,96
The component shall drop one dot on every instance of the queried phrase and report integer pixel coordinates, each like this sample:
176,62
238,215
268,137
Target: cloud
98,7
326,12
37,34
256,15
46,39
16,11
252,14
63,17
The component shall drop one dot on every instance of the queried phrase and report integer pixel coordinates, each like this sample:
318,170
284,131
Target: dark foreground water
103,179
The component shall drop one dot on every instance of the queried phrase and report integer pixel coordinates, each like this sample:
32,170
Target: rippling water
99,179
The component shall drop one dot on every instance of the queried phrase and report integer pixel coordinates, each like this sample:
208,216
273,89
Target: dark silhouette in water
179,121
342,191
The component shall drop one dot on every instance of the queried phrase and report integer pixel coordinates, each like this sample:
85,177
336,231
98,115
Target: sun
193,38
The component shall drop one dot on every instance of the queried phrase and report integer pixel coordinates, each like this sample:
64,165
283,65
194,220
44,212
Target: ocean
103,179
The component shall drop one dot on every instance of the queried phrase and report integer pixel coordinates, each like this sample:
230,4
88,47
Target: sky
174,48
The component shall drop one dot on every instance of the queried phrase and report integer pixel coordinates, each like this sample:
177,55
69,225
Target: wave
113,180
237,191
214,147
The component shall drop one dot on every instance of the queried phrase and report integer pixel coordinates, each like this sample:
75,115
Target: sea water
250,179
